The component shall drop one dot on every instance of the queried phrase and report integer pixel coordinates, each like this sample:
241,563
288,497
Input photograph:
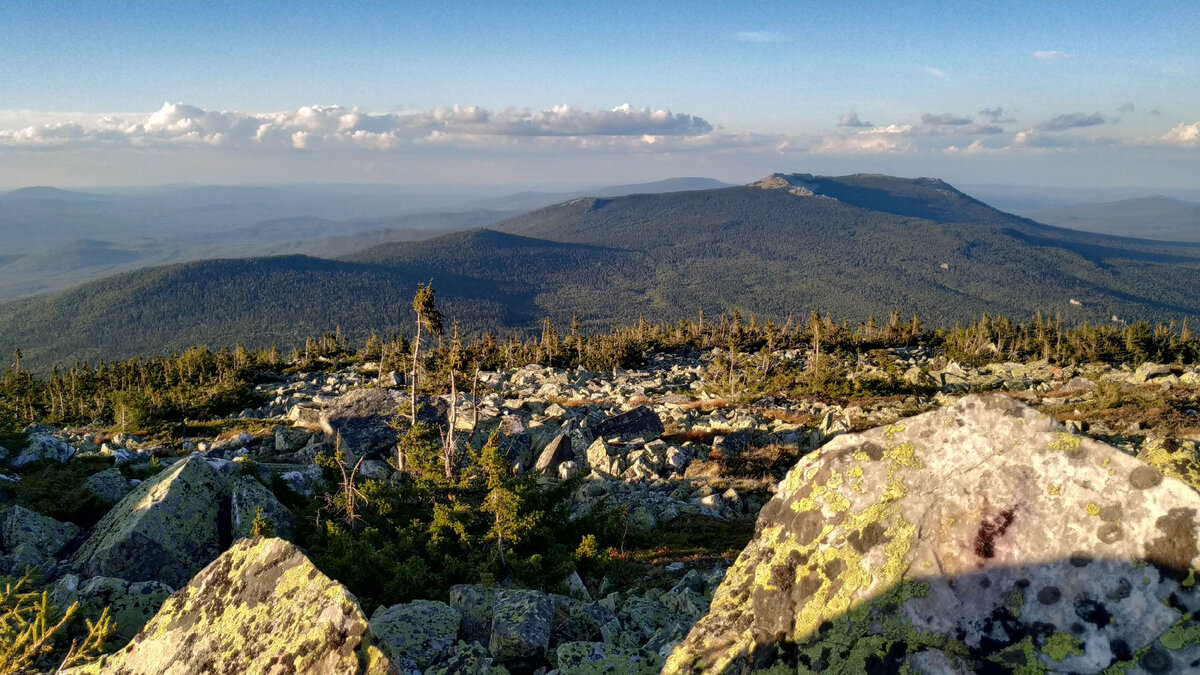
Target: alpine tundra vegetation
717,495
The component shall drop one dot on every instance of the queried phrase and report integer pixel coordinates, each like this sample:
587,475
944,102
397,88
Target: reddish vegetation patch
991,529
709,405
699,436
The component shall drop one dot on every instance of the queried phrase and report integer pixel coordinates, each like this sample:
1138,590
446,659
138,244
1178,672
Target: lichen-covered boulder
109,485
521,628
261,607
415,635
980,537
29,539
43,446
475,605
130,604
165,530
467,659
246,497
597,658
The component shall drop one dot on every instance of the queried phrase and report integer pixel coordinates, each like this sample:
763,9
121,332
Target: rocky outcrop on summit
262,607
978,537
175,523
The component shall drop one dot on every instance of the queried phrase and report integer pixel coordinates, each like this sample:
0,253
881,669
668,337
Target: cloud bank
333,126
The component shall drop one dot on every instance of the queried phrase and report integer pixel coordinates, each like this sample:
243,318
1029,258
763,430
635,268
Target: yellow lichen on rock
259,607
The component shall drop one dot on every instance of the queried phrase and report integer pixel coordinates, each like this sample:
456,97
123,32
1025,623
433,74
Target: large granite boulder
977,538
641,423
166,529
130,604
42,446
261,607
109,485
175,523
475,605
30,540
361,418
521,628
416,635
557,451
248,498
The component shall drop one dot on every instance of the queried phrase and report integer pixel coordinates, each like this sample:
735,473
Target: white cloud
850,119
757,36
333,126
940,74
889,129
977,148
877,141
1185,135
1049,55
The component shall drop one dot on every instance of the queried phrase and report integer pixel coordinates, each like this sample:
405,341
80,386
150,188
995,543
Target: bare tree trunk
382,357
416,352
448,448
474,398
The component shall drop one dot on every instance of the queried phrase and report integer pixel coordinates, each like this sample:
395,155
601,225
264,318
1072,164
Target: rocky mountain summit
941,529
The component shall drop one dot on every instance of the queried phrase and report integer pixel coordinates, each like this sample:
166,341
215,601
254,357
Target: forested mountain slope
853,246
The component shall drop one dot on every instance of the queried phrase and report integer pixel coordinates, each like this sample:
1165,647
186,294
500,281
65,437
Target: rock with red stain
978,537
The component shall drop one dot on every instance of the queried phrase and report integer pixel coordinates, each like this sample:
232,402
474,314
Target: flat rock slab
261,607
981,536
362,419
641,423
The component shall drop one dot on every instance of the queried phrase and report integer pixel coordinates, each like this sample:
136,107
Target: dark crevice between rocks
224,522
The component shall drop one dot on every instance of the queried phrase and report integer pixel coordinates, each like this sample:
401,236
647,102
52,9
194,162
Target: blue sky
1064,93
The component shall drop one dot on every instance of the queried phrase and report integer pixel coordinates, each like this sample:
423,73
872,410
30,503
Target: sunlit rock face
976,538
261,607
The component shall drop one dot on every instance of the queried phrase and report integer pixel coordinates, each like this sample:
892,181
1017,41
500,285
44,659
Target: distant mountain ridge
1161,218
182,223
853,246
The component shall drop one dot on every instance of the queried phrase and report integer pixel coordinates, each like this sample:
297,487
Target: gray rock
29,539
259,606
983,526
361,418
476,605
588,658
291,439
417,634
246,497
43,446
166,529
641,423
469,658
108,485
1148,371
129,604
521,628
555,453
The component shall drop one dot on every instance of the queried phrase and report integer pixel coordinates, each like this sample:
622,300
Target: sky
558,94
